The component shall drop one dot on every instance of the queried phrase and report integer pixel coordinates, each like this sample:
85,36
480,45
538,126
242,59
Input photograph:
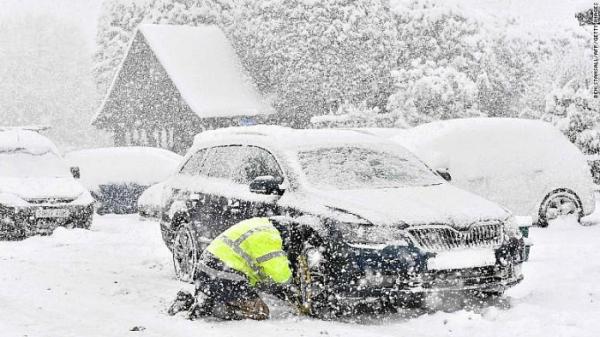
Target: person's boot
202,307
184,301
254,309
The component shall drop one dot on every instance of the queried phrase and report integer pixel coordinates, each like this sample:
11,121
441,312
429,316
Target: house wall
144,107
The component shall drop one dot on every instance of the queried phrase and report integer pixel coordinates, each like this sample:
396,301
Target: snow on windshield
25,165
345,168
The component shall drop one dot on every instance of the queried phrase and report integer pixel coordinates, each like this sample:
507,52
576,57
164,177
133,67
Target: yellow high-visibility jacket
254,248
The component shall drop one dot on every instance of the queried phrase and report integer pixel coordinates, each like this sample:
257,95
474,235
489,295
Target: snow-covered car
151,202
528,166
117,176
363,218
38,191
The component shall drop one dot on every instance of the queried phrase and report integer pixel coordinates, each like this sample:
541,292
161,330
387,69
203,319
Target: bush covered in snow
426,93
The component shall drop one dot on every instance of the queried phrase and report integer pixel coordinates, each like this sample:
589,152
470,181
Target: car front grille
444,237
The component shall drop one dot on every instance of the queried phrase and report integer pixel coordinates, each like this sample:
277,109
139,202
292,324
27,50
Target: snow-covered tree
437,32
574,111
426,92
313,56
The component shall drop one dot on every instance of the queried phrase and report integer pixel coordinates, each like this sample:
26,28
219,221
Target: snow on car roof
204,67
133,164
429,132
286,138
25,141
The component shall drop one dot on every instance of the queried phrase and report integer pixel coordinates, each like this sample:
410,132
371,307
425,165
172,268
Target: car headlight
511,228
370,236
11,200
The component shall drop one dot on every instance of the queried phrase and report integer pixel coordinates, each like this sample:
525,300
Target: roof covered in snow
204,67
26,141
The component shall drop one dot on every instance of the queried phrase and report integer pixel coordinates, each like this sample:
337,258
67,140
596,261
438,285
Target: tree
426,92
574,111
312,56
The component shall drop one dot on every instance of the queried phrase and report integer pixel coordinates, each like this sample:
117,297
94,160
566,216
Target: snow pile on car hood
40,188
440,204
139,165
15,140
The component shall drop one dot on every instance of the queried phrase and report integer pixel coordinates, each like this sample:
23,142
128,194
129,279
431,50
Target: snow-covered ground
118,276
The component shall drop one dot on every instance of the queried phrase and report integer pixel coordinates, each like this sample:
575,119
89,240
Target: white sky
82,12
535,14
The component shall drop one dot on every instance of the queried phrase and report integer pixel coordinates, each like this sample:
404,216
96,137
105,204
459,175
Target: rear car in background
38,191
363,219
528,166
117,176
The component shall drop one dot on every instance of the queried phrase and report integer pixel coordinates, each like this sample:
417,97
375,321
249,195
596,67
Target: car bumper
391,288
402,271
20,222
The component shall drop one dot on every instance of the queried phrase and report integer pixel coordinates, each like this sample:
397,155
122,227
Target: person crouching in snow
244,257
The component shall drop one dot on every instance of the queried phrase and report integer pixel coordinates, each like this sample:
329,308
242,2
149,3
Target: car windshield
345,168
25,165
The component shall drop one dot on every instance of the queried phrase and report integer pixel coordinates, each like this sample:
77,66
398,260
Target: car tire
559,203
185,253
314,299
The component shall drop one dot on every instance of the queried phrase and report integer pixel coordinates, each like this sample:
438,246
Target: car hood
442,203
44,187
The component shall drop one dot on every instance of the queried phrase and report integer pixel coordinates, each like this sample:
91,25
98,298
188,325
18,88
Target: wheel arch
553,192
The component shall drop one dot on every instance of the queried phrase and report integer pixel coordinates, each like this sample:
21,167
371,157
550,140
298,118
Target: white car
117,176
38,191
528,166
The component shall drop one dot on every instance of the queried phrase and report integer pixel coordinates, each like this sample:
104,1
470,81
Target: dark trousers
221,284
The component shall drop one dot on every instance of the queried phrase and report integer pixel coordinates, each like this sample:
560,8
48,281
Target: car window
344,168
255,162
194,165
222,161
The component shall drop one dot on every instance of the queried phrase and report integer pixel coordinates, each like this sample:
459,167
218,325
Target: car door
221,203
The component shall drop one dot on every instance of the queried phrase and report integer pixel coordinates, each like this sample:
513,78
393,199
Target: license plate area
462,259
52,213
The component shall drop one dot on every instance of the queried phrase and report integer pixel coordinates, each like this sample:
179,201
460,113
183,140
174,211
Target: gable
142,92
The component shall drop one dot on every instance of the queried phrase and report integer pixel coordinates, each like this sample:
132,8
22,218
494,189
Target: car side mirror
444,173
266,185
75,172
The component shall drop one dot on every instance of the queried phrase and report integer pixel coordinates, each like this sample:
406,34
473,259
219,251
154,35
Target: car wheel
559,204
310,277
185,254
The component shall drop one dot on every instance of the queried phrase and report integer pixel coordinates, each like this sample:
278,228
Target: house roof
205,69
